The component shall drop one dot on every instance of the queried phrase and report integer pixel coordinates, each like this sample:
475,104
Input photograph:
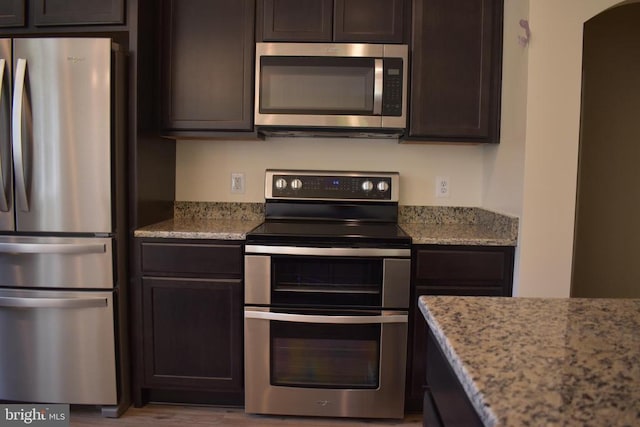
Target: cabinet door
207,69
296,20
375,21
456,70
77,12
193,333
12,13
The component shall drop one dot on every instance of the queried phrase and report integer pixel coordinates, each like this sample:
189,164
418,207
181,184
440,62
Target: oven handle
353,252
393,317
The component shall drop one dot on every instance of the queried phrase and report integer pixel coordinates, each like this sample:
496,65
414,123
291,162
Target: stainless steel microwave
306,87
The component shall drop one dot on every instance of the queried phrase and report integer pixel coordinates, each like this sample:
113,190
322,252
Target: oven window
316,85
328,281
325,355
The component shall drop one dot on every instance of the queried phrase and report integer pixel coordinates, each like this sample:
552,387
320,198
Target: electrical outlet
442,186
237,182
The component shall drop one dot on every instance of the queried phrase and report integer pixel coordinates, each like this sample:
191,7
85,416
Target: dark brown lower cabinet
449,270
189,322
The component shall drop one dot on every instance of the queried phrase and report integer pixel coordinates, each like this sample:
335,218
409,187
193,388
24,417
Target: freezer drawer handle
303,318
53,248
53,302
4,203
16,135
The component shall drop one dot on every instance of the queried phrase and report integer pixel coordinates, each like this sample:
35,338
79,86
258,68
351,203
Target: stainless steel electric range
327,297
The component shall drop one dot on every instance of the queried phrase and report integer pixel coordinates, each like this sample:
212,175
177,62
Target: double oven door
326,331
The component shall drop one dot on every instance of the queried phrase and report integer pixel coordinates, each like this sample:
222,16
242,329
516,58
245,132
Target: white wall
551,146
504,163
204,167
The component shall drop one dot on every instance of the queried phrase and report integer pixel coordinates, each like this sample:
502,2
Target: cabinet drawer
460,265
191,259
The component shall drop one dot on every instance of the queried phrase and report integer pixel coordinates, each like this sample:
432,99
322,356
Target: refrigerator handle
53,302
4,203
16,135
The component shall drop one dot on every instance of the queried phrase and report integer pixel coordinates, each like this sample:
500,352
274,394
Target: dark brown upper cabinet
296,20
376,21
46,13
207,66
77,12
456,71
372,21
12,13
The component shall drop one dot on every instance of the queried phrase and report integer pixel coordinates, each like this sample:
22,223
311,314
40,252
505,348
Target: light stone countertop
543,361
457,234
440,225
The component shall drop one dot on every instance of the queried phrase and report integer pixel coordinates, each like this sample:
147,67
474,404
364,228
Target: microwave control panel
392,87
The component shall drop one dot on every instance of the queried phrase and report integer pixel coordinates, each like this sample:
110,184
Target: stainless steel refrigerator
61,223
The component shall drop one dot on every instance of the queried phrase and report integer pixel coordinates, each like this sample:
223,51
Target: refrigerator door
57,347
61,135
7,222
56,262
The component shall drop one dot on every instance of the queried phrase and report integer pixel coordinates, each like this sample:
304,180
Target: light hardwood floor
158,415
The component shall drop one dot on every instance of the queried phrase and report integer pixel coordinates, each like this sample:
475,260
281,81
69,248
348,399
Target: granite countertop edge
476,398
214,229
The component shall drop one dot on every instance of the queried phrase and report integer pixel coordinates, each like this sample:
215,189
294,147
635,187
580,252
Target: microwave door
319,91
7,222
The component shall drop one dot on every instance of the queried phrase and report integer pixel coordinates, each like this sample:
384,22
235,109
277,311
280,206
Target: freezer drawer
57,347
56,262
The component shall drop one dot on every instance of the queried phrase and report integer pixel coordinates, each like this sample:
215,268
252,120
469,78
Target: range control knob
281,183
367,186
296,184
383,186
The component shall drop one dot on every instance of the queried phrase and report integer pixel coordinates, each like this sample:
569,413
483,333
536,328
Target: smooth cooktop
327,231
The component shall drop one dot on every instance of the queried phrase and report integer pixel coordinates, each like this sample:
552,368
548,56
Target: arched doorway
606,259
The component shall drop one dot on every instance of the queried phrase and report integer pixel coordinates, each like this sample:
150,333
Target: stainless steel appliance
62,228
327,296
346,88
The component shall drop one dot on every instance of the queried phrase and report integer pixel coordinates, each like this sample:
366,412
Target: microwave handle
377,86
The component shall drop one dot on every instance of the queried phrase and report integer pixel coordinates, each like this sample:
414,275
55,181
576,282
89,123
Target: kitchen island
540,361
